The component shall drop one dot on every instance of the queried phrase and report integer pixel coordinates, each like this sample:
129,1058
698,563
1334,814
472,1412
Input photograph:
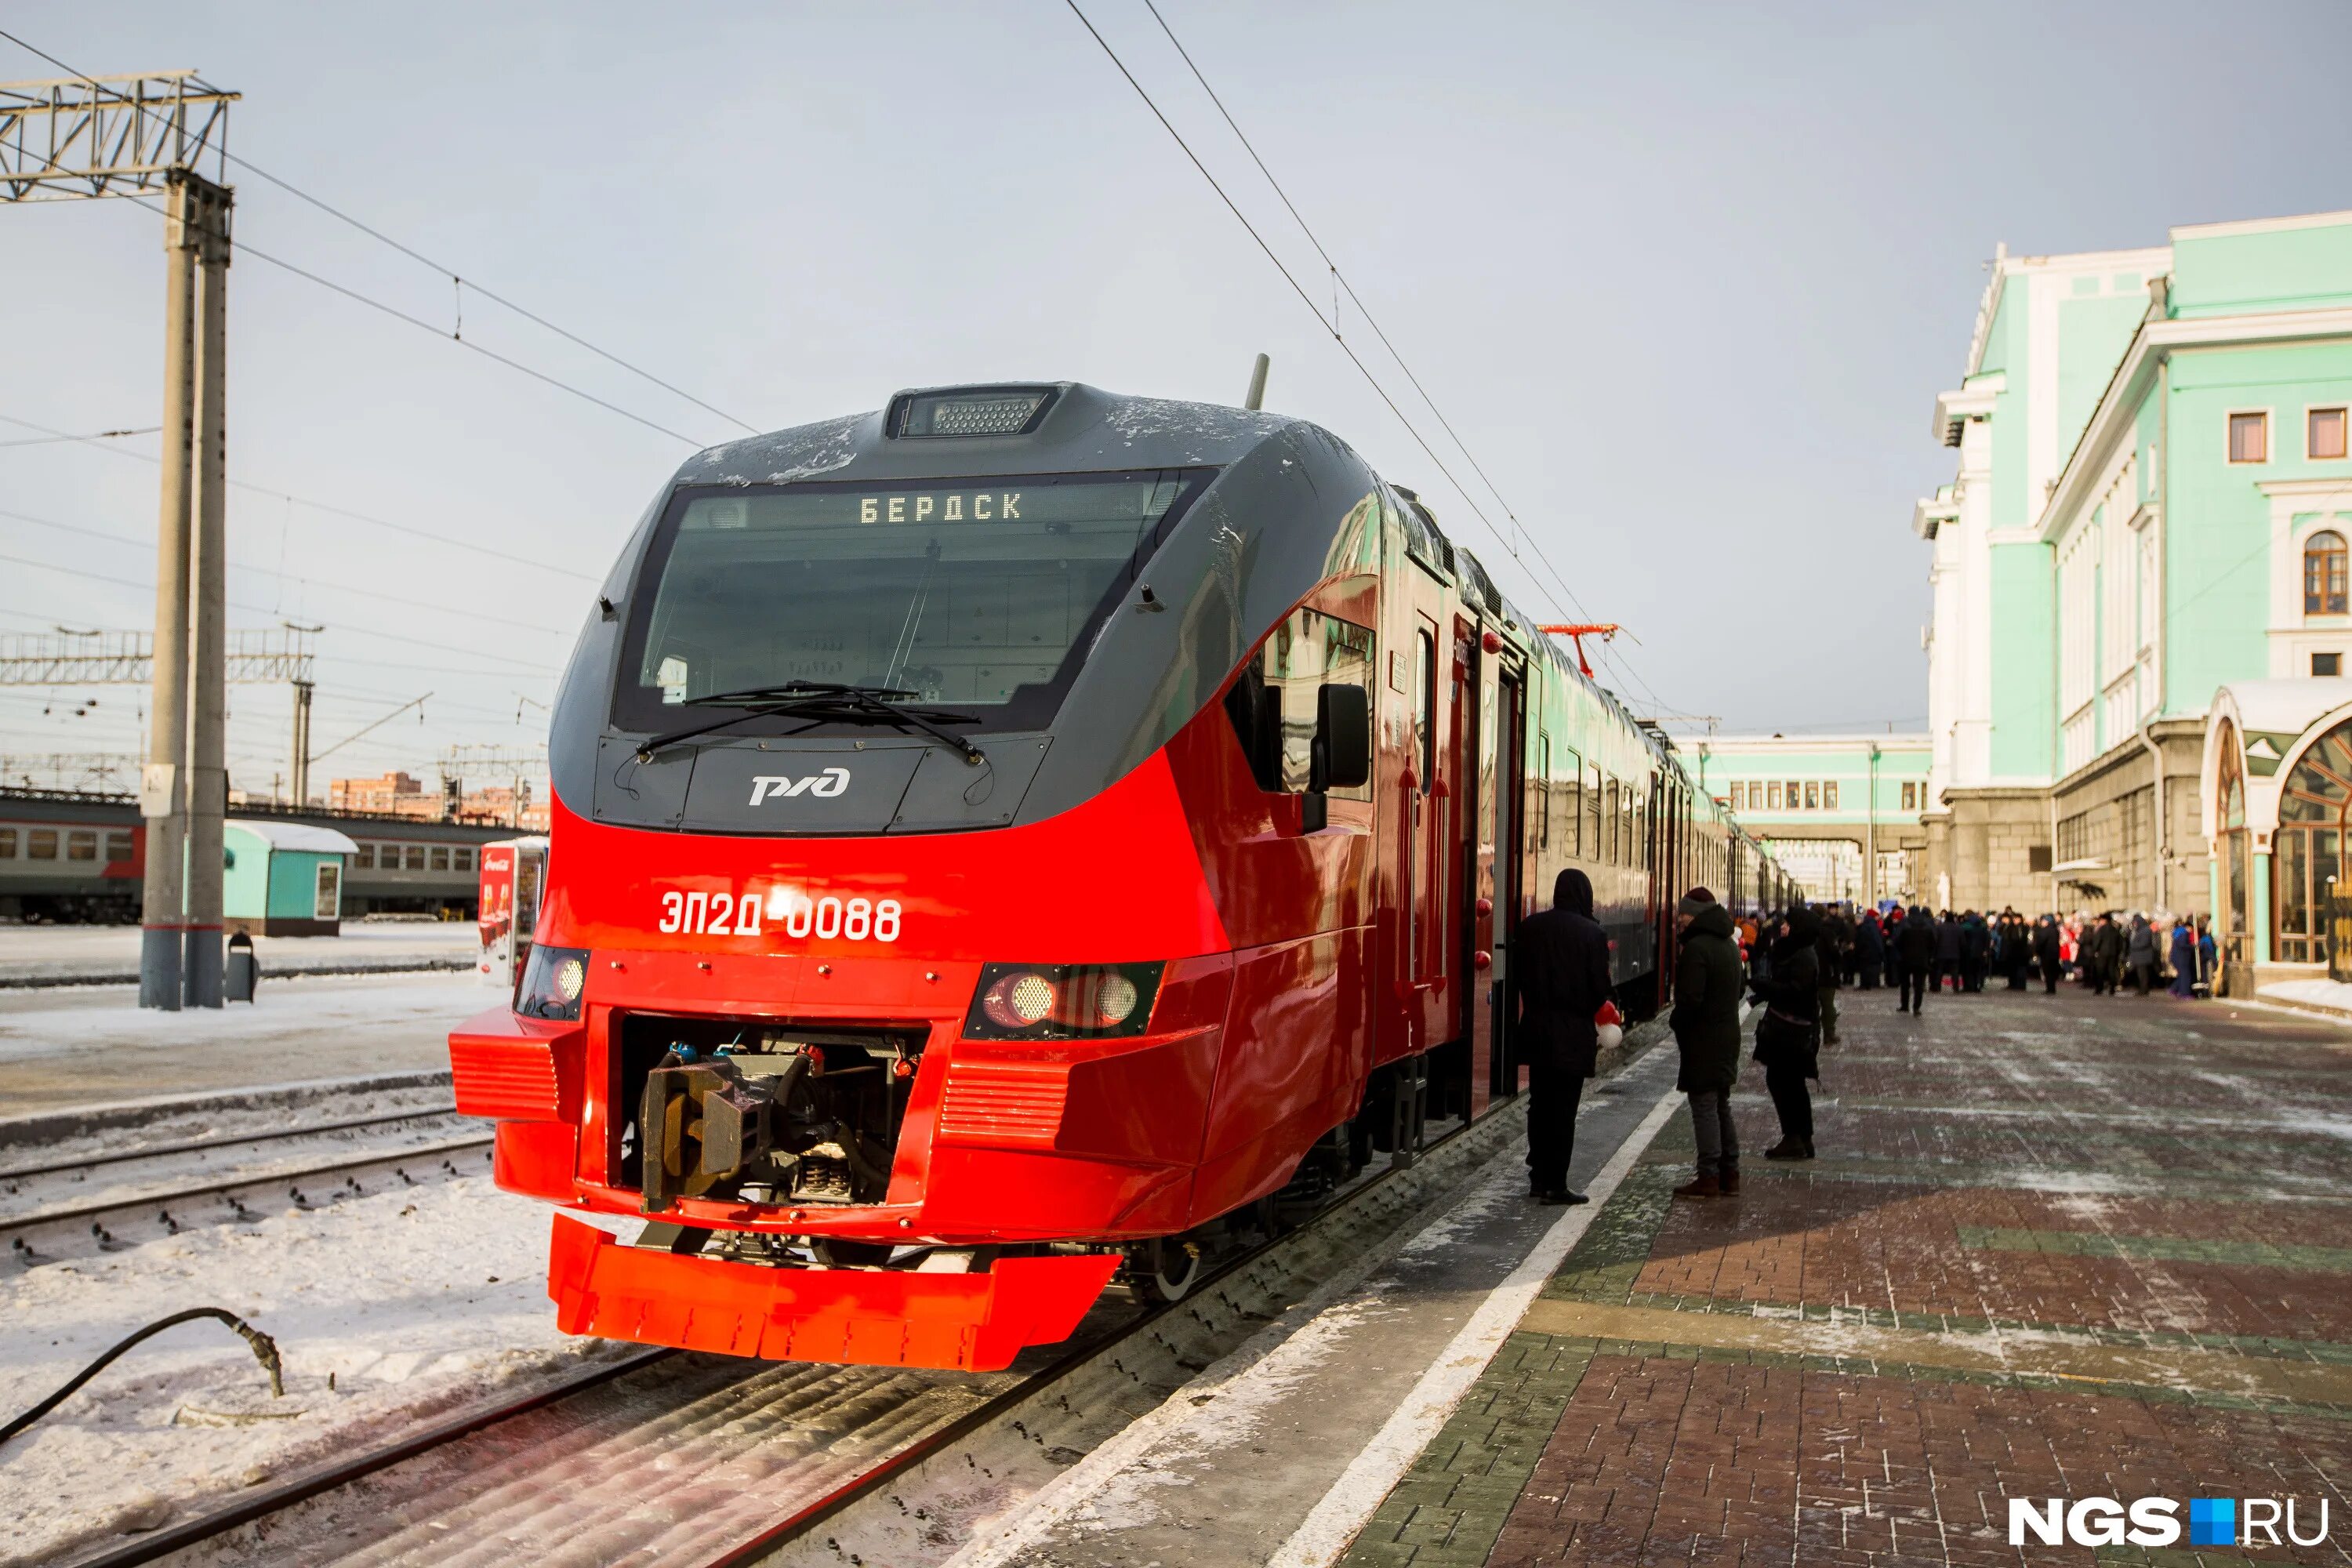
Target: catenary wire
295,190
326,582
1330,324
1372,321
328,506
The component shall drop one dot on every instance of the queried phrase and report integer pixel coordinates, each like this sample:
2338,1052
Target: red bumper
972,1322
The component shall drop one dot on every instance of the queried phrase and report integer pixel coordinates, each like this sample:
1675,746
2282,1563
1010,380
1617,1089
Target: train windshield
979,595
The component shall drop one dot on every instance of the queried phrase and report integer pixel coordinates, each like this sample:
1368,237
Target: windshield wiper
825,702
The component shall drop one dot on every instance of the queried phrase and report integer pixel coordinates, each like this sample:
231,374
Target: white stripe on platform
1368,1481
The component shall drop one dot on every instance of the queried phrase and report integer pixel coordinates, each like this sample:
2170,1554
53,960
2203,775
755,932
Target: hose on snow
264,1351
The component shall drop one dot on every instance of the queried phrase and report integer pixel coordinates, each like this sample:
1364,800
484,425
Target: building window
81,843
118,847
2327,664
2323,573
1910,796
2250,437
1829,795
1738,796
1812,794
1772,795
2037,859
2323,433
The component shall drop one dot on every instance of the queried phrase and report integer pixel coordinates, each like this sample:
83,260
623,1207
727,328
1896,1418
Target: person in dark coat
1976,951
2045,952
2183,959
1560,972
2103,953
1948,952
1892,936
2139,955
1869,951
1829,958
1706,1023
1788,1037
2016,949
1915,951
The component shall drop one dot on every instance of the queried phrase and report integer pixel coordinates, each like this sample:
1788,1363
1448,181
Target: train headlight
553,982
1062,1000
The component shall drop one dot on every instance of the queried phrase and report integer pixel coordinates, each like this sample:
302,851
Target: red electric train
1001,839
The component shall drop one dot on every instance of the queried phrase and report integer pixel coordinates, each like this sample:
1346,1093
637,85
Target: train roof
1075,428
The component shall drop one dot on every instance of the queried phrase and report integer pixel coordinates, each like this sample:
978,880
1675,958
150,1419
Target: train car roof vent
968,410
1490,595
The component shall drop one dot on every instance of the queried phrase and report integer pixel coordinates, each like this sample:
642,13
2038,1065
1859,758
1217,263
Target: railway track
678,1457
228,1178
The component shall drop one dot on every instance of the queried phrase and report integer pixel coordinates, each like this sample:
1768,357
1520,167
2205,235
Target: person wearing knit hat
1706,1025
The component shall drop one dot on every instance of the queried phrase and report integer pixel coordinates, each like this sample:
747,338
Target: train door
1495,1074
1420,924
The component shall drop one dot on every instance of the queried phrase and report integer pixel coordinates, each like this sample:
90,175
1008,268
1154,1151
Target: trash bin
242,972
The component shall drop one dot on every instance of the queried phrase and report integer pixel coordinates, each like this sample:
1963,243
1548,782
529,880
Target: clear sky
1685,279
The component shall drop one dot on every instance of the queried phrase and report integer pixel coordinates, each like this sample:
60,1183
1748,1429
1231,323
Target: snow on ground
98,953
86,1046
416,1303
2332,994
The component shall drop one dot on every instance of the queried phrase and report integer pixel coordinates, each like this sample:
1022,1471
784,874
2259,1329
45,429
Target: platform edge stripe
1014,1539
1334,1523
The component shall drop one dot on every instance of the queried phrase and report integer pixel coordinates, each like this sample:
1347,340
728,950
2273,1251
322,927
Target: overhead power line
1331,325
450,273
329,507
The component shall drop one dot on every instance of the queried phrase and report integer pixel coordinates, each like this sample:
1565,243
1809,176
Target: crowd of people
1790,967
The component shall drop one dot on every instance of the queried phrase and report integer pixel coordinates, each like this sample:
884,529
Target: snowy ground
94,1046
31,954
2332,996
416,1303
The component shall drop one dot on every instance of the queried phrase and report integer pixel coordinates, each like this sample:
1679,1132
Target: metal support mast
87,137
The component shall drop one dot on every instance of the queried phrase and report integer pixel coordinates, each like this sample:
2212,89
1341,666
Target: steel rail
279,1499
92,1218
231,1141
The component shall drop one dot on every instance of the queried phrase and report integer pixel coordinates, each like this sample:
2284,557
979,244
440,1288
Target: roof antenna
1256,398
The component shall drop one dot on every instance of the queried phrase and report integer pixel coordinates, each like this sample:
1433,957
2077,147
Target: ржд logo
832,782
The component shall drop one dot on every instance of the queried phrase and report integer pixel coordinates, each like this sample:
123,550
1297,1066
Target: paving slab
2054,1246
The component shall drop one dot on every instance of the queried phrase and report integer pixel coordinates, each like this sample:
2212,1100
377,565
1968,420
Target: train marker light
968,410
553,982
1062,1000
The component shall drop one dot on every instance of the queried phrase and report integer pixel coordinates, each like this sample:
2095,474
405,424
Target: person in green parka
1708,985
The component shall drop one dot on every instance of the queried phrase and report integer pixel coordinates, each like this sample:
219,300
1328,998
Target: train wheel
1163,1271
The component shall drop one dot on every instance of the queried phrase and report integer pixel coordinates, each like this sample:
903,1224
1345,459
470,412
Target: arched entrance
2307,854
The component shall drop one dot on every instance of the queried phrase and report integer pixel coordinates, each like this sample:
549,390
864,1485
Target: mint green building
2153,499
282,879
1840,813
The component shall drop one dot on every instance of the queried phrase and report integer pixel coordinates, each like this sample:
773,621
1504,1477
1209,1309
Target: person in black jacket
1788,1037
1559,975
1706,1022
1947,953
1915,952
1869,951
2045,952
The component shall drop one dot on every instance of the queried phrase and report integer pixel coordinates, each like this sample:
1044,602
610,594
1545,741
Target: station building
1832,808
2152,507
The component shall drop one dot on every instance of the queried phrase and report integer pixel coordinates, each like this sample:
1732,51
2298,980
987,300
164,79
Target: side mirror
1343,738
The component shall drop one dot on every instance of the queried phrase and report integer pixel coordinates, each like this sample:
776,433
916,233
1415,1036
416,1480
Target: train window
1628,843
41,843
7,844
81,843
1425,714
1543,790
364,858
981,595
1572,801
1609,821
417,856
1589,843
1274,702
461,859
440,858
118,848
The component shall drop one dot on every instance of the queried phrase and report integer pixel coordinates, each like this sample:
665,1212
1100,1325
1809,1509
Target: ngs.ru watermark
2155,1521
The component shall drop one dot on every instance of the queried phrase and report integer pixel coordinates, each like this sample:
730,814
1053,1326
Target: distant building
1829,807
392,795
503,805
2152,502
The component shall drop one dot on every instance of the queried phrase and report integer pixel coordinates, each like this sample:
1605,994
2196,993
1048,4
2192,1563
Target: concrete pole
1870,847
163,791
302,689
208,640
